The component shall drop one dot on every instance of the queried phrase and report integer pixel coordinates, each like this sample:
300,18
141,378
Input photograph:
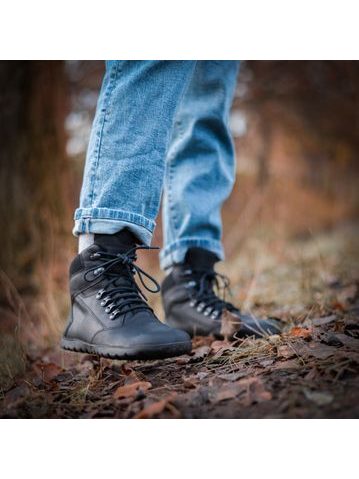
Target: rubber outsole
158,351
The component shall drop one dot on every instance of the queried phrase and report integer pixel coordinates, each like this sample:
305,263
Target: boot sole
158,351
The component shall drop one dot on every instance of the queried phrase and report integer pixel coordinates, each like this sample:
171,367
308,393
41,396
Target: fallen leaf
155,408
330,339
322,321
230,391
266,362
47,371
298,332
131,390
252,387
220,346
338,306
234,376
16,394
190,382
201,375
183,360
317,350
288,364
256,391
133,377
347,341
126,370
320,398
350,355
200,353
285,352
274,339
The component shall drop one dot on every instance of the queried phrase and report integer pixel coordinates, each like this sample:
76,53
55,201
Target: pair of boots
109,312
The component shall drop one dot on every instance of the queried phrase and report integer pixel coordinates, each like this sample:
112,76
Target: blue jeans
161,126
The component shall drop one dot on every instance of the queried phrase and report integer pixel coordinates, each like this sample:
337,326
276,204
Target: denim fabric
161,125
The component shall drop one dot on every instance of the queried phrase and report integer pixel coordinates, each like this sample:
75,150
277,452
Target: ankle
200,258
121,241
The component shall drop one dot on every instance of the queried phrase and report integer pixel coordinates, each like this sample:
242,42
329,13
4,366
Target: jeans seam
171,173
172,215
99,133
171,207
168,255
141,221
187,241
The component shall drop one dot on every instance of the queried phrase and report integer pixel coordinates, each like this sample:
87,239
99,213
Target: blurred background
290,225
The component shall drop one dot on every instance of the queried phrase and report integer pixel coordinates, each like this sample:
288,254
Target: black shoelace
127,297
208,291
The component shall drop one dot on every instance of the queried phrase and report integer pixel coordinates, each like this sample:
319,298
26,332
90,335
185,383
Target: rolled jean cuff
108,221
175,252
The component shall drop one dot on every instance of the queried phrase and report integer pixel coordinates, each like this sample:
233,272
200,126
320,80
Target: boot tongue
120,242
200,258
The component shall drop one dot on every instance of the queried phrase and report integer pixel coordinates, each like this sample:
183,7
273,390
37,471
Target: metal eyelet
193,303
200,307
207,311
95,256
100,293
114,314
105,300
191,284
109,307
214,315
98,271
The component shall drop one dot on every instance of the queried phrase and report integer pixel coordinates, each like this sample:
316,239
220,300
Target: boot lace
208,291
127,297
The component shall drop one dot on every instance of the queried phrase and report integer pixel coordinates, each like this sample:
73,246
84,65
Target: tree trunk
34,172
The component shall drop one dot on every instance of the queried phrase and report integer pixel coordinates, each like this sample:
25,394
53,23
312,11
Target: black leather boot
191,301
109,315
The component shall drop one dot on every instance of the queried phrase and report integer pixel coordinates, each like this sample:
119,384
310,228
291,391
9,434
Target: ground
311,371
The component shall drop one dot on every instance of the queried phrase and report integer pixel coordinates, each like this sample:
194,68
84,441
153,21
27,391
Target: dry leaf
201,375
190,382
131,390
266,362
234,376
322,321
320,398
285,352
347,341
220,347
47,371
252,387
183,360
255,390
289,364
16,394
133,377
274,339
317,350
200,353
352,356
298,332
155,408
230,391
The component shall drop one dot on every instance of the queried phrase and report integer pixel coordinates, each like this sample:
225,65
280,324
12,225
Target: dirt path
311,371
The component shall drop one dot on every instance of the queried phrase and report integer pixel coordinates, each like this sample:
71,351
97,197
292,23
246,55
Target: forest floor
310,371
